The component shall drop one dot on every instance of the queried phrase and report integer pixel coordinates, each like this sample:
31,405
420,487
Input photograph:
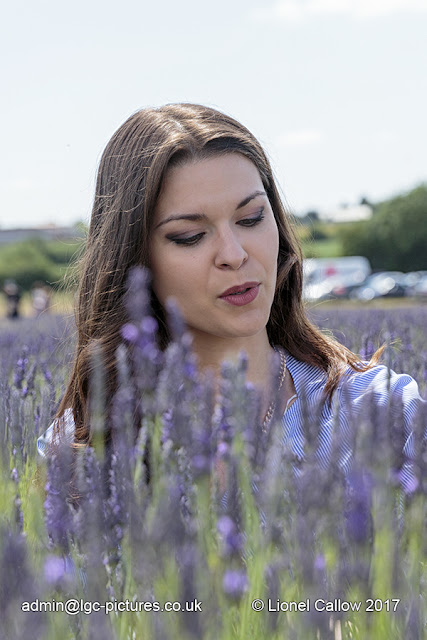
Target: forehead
219,179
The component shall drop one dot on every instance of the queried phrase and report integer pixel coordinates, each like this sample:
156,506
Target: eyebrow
201,216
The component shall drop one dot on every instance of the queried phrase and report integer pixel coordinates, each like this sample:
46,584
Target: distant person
40,298
13,297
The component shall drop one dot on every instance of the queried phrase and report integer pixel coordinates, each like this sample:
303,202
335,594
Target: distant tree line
395,238
37,260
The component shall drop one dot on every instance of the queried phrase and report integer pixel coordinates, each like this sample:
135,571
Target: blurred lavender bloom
234,400
118,513
15,420
176,393
123,411
202,444
167,526
186,488
413,622
19,516
186,399
141,334
358,510
231,540
28,385
190,563
225,526
129,332
235,583
234,496
17,585
223,450
59,519
20,369
175,320
54,570
137,298
91,488
46,372
320,562
119,465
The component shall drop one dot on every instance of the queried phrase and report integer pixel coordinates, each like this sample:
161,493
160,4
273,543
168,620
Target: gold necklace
282,374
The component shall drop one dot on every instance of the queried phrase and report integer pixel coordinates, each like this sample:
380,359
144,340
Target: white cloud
303,138
298,10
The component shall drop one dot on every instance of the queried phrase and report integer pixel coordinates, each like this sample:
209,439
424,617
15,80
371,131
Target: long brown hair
130,177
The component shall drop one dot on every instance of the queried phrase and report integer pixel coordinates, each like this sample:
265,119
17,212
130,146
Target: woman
188,192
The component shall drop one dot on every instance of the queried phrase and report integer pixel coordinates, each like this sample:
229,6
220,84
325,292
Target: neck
211,351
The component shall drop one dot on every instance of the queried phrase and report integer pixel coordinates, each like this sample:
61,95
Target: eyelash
193,240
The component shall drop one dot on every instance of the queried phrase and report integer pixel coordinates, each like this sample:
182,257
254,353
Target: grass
379,303
328,248
319,240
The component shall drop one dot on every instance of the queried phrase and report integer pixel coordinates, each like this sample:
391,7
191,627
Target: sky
335,90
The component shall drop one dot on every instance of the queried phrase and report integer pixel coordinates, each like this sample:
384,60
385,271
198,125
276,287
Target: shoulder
64,431
380,382
383,383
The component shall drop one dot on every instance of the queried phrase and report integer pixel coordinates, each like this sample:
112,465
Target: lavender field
328,554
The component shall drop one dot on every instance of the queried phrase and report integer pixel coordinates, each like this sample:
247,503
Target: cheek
271,245
174,278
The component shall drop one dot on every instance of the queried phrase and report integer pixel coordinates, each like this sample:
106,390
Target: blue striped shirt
355,390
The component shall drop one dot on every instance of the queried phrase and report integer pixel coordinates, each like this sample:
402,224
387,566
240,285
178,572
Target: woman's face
213,230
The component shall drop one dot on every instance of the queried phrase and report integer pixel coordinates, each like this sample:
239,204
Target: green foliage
396,236
318,239
318,232
329,248
35,259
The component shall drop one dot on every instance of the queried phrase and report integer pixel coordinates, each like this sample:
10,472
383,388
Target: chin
246,331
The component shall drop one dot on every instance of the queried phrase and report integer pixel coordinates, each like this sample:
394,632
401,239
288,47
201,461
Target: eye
252,222
187,242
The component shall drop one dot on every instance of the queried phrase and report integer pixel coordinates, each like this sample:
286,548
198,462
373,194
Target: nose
230,253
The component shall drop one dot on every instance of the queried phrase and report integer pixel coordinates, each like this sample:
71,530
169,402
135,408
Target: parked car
333,277
419,290
412,280
389,284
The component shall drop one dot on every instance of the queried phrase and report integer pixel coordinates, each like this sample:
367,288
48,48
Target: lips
239,289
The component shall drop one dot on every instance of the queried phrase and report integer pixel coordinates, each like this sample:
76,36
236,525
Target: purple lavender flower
190,562
232,541
54,569
130,332
46,372
186,400
18,584
59,520
223,450
20,369
141,334
28,386
235,583
358,511
320,562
